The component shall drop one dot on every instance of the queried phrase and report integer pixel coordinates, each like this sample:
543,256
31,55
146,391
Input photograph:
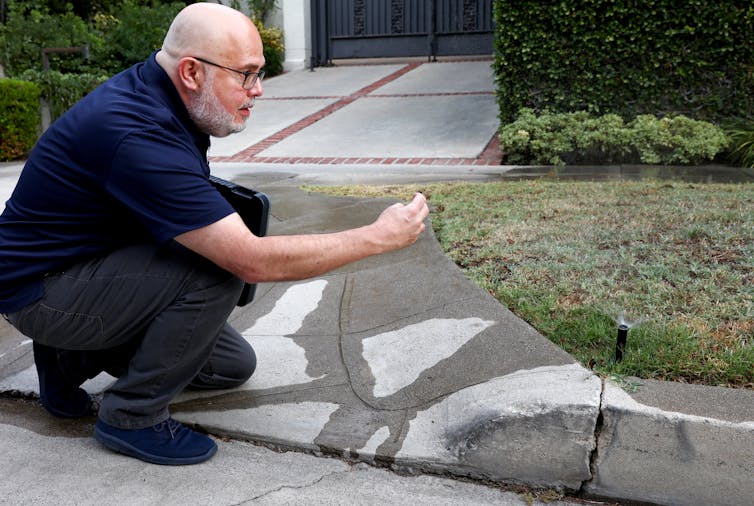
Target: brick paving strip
489,156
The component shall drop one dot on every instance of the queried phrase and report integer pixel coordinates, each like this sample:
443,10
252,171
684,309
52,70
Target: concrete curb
649,454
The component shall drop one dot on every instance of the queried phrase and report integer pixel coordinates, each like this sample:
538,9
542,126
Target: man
117,254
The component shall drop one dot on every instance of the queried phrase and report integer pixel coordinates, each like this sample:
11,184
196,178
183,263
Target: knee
245,366
227,372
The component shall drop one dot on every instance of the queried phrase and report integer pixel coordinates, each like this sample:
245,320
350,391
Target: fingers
419,199
419,205
415,212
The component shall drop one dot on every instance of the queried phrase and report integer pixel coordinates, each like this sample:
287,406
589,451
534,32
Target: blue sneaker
60,395
167,443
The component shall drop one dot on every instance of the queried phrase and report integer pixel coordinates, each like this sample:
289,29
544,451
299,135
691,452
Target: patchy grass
572,258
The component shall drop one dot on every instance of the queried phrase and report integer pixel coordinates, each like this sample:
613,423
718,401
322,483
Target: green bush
675,140
580,138
741,135
130,33
690,57
116,40
19,118
24,36
274,50
60,90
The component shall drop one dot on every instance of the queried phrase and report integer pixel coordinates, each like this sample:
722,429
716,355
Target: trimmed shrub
690,57
116,41
675,140
19,118
60,90
580,138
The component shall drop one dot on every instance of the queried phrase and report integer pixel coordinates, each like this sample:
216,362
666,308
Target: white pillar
296,25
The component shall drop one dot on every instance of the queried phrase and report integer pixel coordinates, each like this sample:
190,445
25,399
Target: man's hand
400,225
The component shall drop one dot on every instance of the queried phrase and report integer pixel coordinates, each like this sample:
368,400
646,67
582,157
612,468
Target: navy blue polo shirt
125,165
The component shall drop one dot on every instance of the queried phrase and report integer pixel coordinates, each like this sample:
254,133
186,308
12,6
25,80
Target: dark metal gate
390,28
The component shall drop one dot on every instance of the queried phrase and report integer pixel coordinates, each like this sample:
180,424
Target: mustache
249,104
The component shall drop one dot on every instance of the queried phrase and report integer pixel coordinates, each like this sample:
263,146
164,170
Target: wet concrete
689,174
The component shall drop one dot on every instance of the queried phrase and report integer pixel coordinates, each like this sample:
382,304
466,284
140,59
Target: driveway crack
302,486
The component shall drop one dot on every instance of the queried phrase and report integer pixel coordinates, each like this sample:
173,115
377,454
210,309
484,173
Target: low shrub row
581,138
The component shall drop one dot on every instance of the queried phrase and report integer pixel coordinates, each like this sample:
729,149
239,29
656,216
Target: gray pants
155,317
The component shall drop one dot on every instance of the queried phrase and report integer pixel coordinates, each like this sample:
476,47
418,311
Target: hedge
19,118
60,90
692,57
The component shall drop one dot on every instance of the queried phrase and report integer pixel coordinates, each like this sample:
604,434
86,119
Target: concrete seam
598,426
345,296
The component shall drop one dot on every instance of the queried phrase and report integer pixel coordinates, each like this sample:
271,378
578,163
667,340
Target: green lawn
574,258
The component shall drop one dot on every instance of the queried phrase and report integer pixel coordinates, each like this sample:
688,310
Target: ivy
691,57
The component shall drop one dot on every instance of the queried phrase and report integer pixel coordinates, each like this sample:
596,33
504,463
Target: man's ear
190,74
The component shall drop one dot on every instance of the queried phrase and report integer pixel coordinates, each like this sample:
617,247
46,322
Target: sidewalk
397,361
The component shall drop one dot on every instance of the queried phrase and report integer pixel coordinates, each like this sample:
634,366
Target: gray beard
208,114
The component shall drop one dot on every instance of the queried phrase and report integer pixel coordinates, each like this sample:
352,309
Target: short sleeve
163,182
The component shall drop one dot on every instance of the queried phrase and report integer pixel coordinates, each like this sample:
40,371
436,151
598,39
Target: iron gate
390,28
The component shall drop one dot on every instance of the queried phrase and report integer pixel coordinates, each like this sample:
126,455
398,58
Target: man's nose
257,90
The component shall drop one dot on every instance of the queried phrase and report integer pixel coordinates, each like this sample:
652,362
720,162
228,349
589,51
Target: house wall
294,18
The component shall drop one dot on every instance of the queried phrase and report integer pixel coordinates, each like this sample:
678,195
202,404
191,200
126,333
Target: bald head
211,31
208,31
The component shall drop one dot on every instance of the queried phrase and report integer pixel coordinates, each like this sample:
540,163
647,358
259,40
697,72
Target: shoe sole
87,410
120,446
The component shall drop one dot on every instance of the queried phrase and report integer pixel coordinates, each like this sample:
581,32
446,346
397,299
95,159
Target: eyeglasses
247,84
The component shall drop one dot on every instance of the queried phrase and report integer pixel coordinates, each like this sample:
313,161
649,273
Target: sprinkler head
620,344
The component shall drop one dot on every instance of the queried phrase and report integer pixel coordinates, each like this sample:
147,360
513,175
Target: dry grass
570,257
